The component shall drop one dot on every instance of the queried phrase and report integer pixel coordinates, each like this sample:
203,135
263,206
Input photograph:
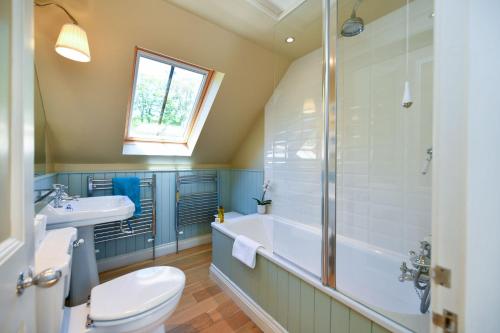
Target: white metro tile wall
293,135
382,197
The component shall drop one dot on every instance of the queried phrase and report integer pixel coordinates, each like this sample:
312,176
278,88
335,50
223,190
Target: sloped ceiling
86,103
304,23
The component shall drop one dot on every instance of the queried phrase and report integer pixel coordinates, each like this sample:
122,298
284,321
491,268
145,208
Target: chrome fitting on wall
419,274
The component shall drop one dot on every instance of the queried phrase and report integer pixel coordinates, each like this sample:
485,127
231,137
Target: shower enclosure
377,206
348,150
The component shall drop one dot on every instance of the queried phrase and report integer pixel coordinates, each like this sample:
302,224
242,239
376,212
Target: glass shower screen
384,65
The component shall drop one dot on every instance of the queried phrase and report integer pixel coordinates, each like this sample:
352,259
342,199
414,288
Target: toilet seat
135,295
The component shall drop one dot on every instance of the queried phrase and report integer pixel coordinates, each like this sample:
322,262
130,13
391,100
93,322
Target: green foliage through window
165,96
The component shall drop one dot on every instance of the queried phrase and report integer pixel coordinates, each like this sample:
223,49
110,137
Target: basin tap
60,195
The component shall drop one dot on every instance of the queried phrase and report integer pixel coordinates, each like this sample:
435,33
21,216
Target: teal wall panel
294,303
282,305
236,188
306,307
339,318
44,182
358,323
322,311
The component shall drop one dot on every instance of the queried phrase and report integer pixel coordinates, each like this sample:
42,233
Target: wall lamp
72,42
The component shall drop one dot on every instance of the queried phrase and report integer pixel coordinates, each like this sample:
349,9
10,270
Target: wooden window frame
172,61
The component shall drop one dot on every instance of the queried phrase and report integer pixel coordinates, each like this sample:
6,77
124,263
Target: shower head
354,25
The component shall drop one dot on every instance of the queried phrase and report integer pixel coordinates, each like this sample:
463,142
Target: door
17,313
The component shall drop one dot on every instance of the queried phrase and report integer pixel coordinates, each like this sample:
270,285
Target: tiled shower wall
383,198
293,132
236,189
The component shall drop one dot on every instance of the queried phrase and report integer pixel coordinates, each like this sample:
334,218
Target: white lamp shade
72,43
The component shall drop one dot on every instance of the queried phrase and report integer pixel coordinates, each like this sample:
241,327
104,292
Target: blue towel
129,186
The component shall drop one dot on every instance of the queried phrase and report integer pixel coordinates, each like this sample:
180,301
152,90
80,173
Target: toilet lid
135,293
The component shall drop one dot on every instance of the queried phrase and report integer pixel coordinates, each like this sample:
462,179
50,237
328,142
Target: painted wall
236,187
250,154
295,304
382,196
293,124
86,103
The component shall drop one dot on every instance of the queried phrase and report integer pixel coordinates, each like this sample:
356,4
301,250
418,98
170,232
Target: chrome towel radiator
144,224
196,200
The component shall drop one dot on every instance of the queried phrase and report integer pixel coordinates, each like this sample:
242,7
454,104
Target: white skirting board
141,255
253,310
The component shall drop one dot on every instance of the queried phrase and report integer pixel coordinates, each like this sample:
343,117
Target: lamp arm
58,5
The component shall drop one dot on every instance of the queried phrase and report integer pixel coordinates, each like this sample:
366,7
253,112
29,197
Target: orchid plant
262,201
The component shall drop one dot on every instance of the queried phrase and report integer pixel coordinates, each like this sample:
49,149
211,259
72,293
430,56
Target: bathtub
364,273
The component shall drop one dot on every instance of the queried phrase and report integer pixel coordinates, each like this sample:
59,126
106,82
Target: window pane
182,97
155,118
149,91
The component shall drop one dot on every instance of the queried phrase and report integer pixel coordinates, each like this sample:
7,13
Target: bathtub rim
316,283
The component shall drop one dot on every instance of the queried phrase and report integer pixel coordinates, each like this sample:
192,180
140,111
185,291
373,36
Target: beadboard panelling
295,304
245,185
165,209
236,189
44,182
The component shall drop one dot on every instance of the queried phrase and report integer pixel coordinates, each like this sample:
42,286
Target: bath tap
419,274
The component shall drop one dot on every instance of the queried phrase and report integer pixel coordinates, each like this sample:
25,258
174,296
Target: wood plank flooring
204,307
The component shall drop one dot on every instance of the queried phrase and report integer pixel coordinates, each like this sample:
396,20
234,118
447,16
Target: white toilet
137,302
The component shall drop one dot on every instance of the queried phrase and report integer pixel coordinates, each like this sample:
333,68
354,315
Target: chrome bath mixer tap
419,273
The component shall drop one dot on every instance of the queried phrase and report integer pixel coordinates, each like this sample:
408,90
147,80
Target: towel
245,250
129,186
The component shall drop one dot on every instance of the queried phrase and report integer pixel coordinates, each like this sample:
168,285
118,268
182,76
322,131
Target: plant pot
261,209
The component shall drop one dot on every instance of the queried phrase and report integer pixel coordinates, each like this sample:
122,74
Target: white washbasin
89,211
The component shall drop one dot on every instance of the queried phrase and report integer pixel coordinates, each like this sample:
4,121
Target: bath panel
295,304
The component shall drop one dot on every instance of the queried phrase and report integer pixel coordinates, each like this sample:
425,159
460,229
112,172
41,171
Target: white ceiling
304,22
248,20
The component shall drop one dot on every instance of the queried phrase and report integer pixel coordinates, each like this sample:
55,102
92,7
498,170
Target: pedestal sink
83,214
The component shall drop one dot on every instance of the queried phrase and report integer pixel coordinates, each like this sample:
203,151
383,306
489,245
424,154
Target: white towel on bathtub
245,250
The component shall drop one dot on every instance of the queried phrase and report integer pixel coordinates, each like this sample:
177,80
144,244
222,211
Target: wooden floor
204,307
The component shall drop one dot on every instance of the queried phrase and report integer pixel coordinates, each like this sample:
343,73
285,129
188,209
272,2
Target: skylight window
167,95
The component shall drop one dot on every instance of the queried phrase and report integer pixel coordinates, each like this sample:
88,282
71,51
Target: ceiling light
290,40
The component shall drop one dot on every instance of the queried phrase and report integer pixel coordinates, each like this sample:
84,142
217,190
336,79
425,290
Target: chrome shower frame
329,151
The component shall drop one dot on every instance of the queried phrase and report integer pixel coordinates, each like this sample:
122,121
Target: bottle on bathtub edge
220,214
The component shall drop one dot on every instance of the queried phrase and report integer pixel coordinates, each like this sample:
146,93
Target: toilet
137,302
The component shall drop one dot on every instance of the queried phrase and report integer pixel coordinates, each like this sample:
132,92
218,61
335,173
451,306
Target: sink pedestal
84,274
83,214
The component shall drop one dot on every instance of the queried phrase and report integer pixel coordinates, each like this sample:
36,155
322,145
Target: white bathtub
364,273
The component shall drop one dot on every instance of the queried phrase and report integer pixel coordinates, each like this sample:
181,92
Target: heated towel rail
144,224
197,199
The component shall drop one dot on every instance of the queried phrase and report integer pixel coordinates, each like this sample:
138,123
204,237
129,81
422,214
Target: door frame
466,162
